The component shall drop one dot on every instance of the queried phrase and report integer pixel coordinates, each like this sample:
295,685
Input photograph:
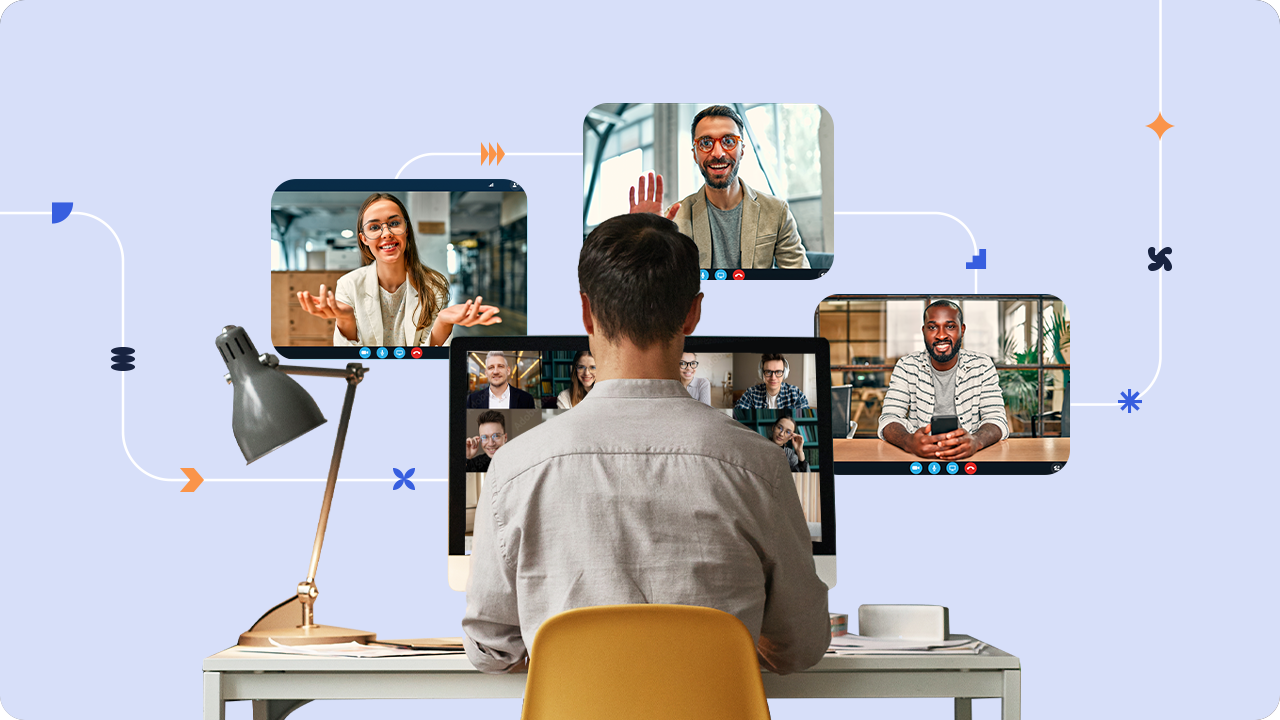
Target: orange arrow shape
483,154
500,153
492,154
193,479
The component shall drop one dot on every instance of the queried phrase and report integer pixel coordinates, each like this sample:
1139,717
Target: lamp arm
353,374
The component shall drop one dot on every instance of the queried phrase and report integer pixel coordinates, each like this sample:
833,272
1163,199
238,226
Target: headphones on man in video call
786,368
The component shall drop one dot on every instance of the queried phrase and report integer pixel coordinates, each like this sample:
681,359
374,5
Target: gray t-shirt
393,314
944,390
726,236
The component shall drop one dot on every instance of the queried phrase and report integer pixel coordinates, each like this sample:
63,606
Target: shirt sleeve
344,292
991,409
704,391
897,400
788,252
796,629
442,301
491,625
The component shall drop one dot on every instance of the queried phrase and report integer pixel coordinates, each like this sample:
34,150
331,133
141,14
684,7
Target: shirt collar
506,390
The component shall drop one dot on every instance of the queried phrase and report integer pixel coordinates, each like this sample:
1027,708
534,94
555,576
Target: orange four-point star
1159,125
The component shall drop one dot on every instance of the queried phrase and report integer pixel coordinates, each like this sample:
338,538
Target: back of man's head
641,276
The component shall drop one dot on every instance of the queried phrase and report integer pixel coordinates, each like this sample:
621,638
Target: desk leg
214,706
1011,704
275,709
964,708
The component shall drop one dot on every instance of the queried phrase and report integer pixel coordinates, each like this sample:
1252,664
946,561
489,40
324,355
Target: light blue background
1140,582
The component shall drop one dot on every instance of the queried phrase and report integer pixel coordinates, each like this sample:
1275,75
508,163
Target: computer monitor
541,368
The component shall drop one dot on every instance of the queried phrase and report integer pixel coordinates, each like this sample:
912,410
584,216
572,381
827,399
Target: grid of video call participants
513,391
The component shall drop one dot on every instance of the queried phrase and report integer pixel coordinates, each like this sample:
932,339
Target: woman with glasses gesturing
393,299
792,443
699,388
581,381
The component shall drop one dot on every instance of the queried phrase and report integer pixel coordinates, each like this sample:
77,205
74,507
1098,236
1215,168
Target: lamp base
313,635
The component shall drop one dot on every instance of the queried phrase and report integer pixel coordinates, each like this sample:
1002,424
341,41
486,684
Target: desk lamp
271,409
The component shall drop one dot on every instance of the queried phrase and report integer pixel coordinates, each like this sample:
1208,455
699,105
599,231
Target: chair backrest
841,401
629,662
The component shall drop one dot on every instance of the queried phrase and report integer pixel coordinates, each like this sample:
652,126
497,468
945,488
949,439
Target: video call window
469,239
784,156
539,385
1027,339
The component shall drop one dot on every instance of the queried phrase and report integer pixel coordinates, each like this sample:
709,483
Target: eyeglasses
373,230
784,432
587,368
728,142
496,437
774,373
690,364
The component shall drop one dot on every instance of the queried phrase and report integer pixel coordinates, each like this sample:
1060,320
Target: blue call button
382,353
365,353
916,468
703,274
721,274
399,353
952,468
934,468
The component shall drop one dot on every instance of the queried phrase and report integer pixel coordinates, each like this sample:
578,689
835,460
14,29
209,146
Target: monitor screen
771,385
752,183
369,269
1001,373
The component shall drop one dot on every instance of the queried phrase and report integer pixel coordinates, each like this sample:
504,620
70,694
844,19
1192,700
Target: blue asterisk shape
1128,402
404,478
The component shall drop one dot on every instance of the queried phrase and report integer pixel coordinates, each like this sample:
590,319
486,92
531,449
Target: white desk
278,684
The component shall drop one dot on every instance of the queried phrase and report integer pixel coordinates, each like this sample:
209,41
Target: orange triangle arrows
490,155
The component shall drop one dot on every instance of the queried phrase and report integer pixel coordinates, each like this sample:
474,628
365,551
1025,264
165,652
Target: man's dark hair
770,357
716,111
492,416
641,276
944,303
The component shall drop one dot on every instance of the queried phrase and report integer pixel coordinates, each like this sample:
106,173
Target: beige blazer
359,289
768,230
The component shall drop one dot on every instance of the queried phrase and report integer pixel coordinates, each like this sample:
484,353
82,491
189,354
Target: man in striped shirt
944,380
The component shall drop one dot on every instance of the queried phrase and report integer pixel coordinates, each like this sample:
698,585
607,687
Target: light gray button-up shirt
642,495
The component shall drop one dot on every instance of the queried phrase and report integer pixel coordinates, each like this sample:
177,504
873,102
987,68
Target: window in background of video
475,235
784,159
1028,338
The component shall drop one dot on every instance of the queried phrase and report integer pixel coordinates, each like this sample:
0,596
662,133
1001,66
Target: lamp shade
271,409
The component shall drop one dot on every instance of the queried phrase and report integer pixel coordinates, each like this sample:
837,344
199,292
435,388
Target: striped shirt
910,399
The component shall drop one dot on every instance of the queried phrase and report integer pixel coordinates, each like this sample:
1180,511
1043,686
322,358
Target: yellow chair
644,661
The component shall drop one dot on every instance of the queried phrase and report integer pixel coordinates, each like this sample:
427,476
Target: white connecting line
946,215
123,376
476,154
1159,224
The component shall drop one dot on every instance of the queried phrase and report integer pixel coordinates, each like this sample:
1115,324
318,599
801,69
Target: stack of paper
351,649
859,645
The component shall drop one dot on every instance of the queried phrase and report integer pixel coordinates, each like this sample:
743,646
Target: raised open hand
651,200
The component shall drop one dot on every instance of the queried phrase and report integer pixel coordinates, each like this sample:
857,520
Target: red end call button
739,275
416,352
970,468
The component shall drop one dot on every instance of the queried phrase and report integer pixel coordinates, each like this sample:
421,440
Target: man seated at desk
944,380
642,494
